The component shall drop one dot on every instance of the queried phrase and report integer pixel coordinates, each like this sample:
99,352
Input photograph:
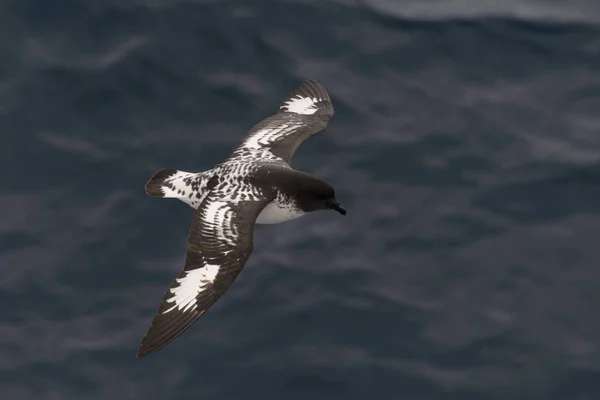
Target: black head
318,195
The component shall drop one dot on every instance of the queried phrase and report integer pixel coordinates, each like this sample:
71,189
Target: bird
255,184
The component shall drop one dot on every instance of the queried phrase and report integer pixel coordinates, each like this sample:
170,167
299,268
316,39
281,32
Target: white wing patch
190,286
300,105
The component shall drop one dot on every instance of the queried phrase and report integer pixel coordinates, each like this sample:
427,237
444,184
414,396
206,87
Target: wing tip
152,343
307,98
148,347
141,353
165,328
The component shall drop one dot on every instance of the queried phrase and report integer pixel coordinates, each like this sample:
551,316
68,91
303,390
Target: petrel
255,184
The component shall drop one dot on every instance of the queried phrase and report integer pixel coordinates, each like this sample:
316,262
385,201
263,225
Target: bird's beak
334,205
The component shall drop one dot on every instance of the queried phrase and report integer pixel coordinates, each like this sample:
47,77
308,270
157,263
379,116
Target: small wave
529,10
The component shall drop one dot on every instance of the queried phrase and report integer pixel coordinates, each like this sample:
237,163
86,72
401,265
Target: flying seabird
255,184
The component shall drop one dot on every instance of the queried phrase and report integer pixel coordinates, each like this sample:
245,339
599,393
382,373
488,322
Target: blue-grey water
465,145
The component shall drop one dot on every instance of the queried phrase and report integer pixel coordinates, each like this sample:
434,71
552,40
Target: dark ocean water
465,146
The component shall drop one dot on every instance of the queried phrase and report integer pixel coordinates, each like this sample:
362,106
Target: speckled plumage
255,184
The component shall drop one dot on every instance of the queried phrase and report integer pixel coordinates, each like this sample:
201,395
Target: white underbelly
275,213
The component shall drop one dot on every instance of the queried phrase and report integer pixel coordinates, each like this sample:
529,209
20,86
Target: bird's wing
220,242
305,112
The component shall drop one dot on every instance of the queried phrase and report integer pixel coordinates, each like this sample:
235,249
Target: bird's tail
185,186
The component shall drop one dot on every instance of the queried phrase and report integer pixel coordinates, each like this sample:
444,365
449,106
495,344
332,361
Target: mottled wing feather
305,112
220,243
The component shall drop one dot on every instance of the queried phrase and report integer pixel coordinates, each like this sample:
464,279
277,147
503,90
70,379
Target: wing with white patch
304,113
220,242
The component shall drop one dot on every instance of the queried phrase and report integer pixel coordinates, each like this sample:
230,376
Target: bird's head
320,196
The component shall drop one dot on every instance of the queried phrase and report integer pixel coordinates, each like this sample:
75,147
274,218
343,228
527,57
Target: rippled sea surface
465,145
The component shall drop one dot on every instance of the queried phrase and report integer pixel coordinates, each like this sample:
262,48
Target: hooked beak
334,205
